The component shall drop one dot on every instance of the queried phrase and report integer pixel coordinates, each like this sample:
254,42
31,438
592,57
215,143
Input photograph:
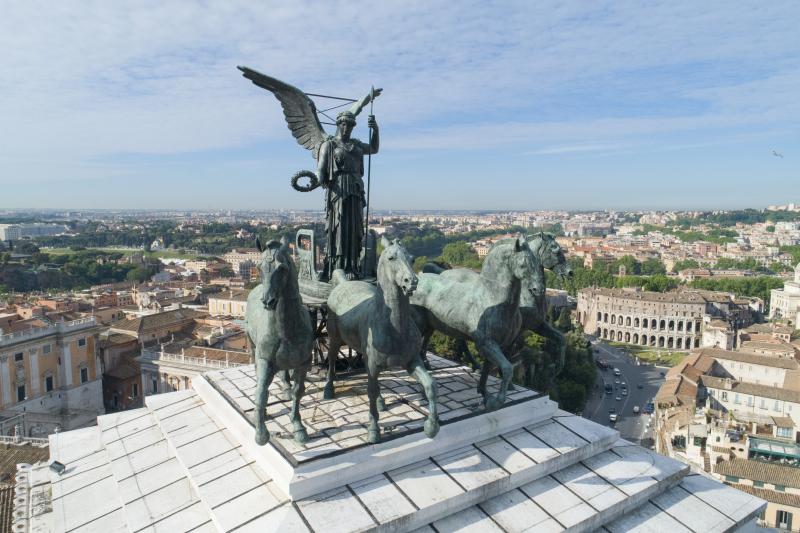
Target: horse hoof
431,427
493,404
381,404
301,436
262,437
328,393
373,436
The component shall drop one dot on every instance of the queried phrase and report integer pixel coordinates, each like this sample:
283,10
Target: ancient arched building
672,320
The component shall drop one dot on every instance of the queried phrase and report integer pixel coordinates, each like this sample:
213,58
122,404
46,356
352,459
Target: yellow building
50,376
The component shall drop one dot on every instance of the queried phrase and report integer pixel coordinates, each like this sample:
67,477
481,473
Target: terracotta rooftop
788,476
750,358
782,498
158,320
762,391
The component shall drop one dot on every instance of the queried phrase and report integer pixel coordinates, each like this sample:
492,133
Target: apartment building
52,374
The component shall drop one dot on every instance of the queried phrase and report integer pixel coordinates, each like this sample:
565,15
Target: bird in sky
776,154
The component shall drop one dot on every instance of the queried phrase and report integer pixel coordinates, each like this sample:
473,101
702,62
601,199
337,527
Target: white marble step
581,497
84,498
417,494
156,492
237,493
697,504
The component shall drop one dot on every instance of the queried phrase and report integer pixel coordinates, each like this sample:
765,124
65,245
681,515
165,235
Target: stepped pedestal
188,460
337,452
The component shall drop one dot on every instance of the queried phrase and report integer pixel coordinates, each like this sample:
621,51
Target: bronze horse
280,333
377,322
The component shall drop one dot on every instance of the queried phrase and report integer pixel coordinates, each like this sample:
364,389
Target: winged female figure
340,167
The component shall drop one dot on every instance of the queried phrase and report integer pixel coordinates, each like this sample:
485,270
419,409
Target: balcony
57,328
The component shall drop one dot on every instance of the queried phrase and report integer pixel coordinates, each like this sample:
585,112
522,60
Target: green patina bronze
533,301
376,321
340,168
279,332
483,308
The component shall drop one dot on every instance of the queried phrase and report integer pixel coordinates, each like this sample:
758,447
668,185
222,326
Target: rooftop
775,474
752,389
750,358
188,460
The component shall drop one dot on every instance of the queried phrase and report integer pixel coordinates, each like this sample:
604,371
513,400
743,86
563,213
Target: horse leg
492,352
418,370
286,391
333,352
485,371
298,389
373,391
423,351
266,372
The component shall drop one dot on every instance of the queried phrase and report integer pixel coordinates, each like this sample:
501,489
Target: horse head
550,254
275,267
523,263
395,264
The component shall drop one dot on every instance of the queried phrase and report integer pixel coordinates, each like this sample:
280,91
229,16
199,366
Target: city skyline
545,107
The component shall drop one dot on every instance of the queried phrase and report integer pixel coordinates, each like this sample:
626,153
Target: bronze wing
299,110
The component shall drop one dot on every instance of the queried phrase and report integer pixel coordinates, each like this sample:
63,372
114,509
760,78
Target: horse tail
338,277
432,268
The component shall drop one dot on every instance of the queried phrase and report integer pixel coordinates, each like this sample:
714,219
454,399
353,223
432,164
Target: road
631,426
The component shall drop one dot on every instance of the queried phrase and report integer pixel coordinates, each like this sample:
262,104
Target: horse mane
497,258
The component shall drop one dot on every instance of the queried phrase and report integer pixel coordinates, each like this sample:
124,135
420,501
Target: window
763,403
48,383
84,375
780,488
154,385
18,356
777,406
758,483
785,433
732,479
135,393
82,342
725,396
736,399
783,519
20,393
46,349
749,401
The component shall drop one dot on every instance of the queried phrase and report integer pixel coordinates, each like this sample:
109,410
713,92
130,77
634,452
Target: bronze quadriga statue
279,332
483,308
376,321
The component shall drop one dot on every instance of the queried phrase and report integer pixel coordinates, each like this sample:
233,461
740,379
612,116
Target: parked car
609,388
624,392
612,417
619,398
618,373
636,409
649,408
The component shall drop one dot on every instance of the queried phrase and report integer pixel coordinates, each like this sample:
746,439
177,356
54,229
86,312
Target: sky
486,105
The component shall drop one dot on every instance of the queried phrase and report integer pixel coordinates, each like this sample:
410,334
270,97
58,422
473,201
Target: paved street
631,426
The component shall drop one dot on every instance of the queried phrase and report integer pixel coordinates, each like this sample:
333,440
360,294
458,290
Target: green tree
138,275
770,229
460,253
683,265
419,262
652,267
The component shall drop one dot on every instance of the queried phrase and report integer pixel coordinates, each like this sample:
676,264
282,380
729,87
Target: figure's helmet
346,117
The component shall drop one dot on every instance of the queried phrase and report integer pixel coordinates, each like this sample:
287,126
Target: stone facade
785,303
671,320
53,371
